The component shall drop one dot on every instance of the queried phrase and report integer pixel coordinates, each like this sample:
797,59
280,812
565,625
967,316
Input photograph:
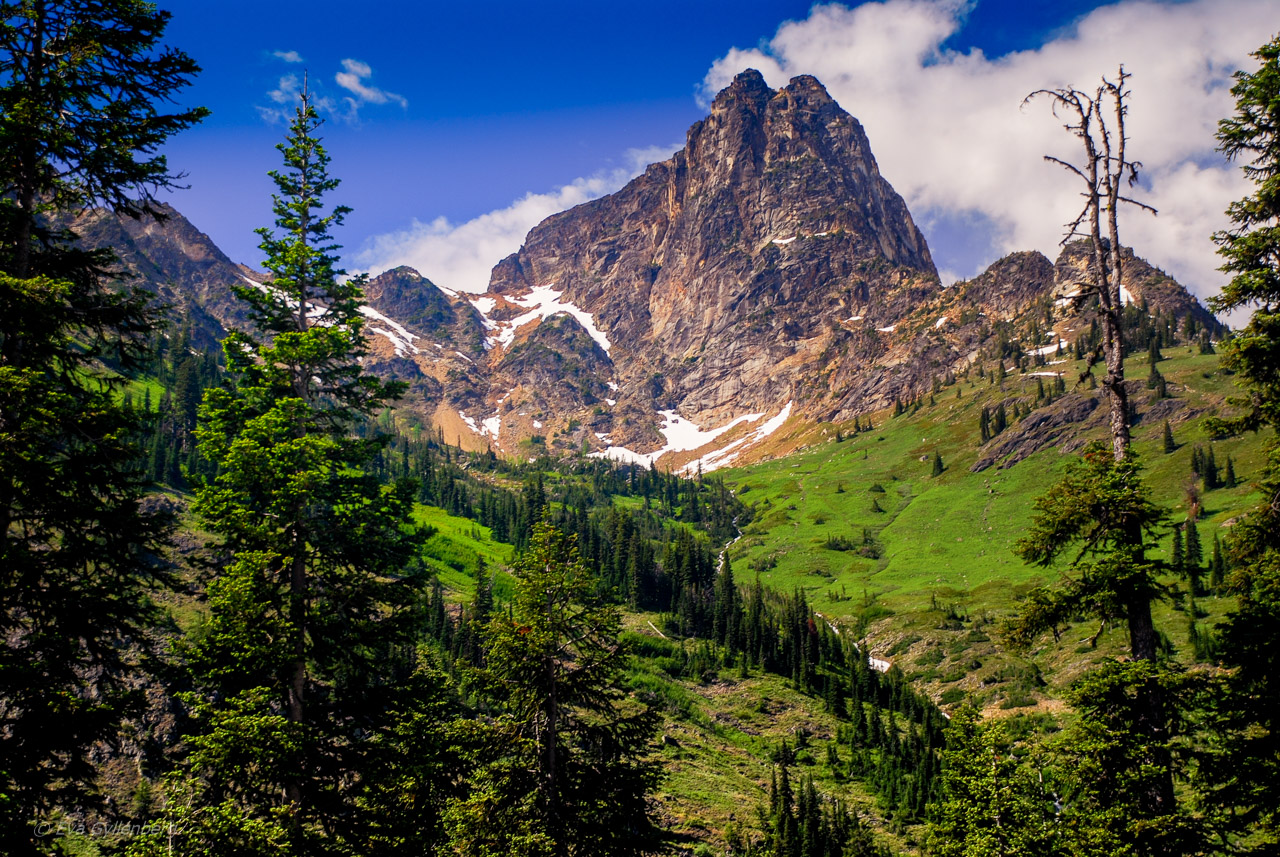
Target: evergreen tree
80,81
311,616
1194,556
1107,756
986,804
1217,567
1102,507
937,465
1169,444
568,774
1244,777
1210,471
728,608
984,424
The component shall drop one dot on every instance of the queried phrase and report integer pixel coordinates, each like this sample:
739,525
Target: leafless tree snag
1098,121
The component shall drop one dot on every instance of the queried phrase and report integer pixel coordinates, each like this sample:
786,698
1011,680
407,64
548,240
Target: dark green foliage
173,457
986,802
938,467
1250,249
79,85
1157,382
305,658
1169,444
1243,773
802,823
1001,420
81,82
1210,471
1116,764
569,776
77,552
1242,776
1102,507
1193,558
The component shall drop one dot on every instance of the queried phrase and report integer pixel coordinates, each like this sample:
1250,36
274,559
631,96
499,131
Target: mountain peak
747,88
806,85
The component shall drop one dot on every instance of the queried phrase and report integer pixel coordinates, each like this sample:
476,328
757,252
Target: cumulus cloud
352,79
460,256
287,56
950,133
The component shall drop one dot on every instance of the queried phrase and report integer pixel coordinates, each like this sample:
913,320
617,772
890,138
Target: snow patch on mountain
542,302
683,435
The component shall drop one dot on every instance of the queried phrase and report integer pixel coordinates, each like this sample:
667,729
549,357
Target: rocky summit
764,274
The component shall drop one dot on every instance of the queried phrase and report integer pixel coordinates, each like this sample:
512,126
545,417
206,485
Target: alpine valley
744,362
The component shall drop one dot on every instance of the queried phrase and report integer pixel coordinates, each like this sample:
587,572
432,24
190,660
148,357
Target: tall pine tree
307,644
80,82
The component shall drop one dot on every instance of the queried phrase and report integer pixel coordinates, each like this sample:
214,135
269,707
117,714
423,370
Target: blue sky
445,117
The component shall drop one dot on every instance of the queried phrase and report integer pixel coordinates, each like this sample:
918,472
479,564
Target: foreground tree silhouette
308,646
1244,775
79,124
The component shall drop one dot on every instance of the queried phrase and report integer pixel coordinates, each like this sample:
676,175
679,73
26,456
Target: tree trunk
1150,709
298,679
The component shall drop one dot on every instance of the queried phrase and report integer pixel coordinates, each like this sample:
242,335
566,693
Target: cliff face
724,277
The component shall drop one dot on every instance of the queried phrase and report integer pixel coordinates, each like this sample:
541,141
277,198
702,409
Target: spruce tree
1169,444
568,772
311,615
80,86
1194,557
938,467
1210,471
1102,514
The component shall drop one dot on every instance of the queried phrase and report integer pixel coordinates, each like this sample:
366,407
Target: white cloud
949,134
461,256
352,79
284,98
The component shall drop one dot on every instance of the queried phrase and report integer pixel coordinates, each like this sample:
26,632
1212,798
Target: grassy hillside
930,562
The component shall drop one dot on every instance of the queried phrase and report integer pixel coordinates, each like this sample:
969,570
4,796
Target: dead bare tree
1105,170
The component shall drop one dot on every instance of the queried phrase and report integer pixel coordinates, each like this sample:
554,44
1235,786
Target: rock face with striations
727,276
